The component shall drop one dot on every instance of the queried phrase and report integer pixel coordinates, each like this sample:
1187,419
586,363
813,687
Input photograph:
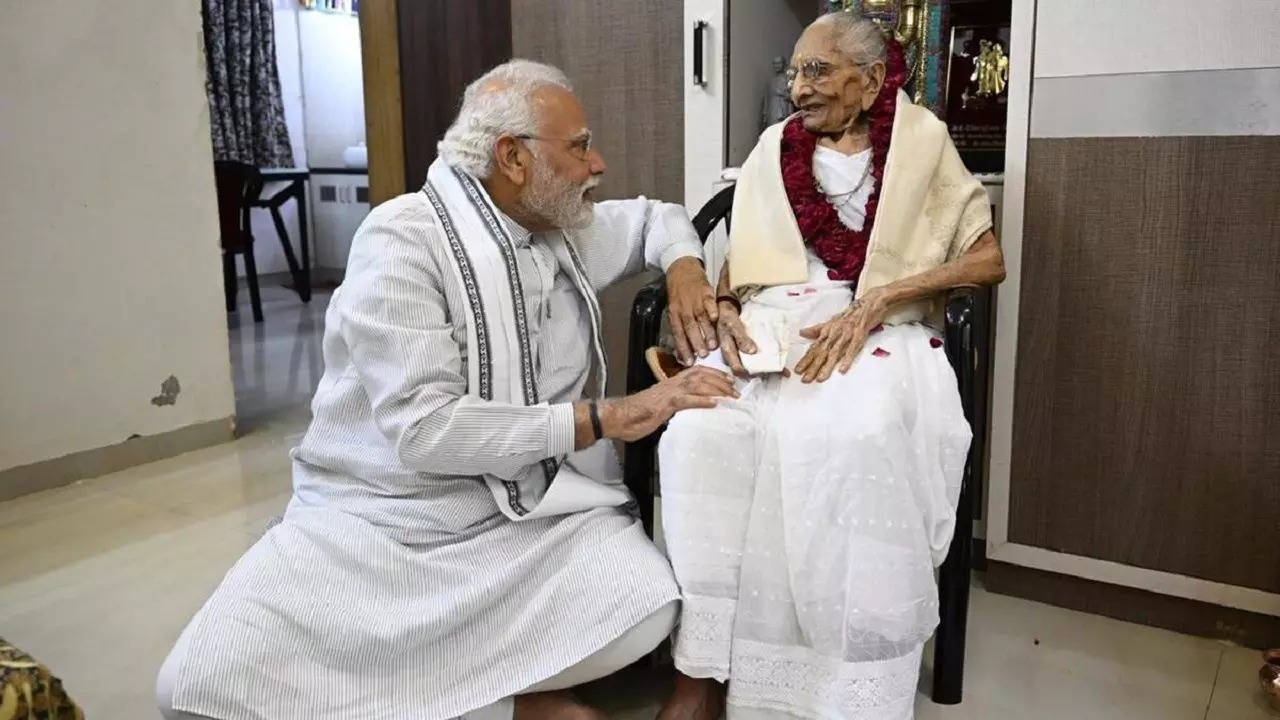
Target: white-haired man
457,543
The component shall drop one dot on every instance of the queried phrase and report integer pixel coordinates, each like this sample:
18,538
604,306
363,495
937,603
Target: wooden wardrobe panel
444,45
1147,401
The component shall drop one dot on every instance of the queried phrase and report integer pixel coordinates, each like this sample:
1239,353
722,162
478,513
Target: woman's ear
874,80
510,160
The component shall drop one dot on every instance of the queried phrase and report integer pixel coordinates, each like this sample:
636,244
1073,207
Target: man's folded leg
623,651
168,679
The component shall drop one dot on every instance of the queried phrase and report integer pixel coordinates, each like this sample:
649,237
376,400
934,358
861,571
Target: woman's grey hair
857,37
499,103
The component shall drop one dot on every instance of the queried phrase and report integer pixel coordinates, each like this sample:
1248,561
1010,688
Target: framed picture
978,94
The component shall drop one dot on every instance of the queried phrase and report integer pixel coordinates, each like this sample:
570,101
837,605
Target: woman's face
830,91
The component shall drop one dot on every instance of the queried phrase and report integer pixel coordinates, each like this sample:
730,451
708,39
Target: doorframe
383,106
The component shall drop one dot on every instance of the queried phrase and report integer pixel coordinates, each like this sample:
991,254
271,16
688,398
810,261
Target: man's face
565,167
828,89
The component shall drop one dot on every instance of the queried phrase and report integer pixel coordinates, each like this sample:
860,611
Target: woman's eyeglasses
811,70
814,71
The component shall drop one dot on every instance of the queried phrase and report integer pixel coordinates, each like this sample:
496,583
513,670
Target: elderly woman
804,519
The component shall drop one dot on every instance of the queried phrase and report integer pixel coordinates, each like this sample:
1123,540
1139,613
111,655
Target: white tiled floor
99,577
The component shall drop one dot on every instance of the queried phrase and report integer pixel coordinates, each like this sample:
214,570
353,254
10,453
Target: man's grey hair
858,38
499,103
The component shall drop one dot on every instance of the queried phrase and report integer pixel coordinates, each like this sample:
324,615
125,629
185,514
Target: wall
110,275
333,97
1137,444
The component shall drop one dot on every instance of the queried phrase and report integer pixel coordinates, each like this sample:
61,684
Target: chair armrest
961,319
646,324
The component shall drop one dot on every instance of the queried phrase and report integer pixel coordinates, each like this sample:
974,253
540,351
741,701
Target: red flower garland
842,249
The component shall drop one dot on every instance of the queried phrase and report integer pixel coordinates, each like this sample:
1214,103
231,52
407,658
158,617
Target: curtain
246,112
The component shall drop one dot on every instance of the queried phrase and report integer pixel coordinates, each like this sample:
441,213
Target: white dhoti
804,522
631,646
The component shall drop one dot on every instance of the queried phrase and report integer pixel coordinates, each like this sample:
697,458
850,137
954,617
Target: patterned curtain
245,109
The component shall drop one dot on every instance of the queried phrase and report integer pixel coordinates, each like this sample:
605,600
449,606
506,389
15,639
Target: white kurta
804,521
394,588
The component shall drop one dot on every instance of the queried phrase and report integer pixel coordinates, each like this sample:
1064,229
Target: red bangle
735,302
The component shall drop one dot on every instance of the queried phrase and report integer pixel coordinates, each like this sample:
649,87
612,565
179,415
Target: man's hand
691,307
636,416
838,340
733,339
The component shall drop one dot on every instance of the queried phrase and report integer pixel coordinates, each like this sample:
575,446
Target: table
296,189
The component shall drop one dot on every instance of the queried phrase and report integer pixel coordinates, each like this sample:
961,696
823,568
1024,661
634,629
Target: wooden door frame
383,107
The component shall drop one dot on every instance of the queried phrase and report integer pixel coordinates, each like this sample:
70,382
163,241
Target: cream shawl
931,211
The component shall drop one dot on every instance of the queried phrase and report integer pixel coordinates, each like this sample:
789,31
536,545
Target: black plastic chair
966,347
238,186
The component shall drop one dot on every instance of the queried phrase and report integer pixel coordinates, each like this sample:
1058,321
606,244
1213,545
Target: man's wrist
677,256
608,413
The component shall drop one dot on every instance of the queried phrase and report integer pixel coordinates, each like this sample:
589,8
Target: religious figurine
990,69
776,106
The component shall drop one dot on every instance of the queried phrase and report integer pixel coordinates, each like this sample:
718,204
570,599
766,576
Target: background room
311,203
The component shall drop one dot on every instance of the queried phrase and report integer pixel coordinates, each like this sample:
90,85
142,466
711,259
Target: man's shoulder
407,218
408,208
402,231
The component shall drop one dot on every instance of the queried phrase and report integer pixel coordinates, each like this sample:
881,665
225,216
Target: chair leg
287,247
229,280
251,274
953,611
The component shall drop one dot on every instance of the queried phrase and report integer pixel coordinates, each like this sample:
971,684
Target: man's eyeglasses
579,146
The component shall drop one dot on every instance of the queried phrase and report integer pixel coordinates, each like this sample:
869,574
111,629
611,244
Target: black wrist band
735,302
593,411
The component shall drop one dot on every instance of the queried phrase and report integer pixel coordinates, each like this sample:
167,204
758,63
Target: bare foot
694,699
558,705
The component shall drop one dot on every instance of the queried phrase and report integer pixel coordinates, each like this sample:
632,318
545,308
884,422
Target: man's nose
596,162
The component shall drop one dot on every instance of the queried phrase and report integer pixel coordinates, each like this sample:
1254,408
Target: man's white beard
558,201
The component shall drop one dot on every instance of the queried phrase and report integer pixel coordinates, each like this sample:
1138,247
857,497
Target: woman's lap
837,490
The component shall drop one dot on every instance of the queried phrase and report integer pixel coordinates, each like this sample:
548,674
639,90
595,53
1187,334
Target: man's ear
511,160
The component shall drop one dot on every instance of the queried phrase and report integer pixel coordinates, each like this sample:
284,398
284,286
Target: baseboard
67,469
1139,606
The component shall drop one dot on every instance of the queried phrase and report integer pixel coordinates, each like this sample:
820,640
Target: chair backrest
719,207
238,186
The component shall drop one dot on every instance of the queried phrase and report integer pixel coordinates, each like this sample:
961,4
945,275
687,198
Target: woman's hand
838,341
733,339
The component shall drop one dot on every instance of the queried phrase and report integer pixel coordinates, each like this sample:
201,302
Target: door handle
699,53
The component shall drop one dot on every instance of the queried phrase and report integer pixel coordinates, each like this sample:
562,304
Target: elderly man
457,543
804,520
